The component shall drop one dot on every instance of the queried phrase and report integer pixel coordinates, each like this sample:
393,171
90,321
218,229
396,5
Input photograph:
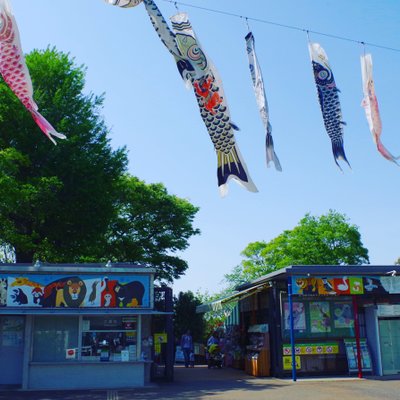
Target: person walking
187,347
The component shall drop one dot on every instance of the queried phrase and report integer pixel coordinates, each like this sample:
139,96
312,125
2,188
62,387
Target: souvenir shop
69,326
316,320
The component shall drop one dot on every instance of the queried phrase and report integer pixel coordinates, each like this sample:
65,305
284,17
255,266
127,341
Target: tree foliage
326,240
151,226
59,199
74,202
185,316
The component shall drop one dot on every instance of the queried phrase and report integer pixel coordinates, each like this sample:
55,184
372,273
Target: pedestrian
187,347
191,359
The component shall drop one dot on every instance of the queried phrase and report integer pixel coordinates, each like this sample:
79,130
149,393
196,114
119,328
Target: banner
312,348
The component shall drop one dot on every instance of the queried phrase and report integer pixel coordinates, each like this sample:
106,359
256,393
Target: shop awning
219,304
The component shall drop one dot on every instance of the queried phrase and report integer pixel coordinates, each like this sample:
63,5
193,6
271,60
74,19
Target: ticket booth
76,326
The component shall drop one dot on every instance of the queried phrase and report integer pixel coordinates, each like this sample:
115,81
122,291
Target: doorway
389,333
12,329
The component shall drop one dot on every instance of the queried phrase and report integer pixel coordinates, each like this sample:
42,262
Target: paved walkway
200,383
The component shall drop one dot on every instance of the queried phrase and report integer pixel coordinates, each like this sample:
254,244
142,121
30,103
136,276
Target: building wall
85,375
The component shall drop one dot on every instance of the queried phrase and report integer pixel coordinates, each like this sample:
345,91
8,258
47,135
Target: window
110,338
52,336
106,338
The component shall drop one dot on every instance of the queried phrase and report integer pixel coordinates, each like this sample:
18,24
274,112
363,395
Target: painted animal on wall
65,292
50,291
19,297
108,297
3,292
37,295
129,294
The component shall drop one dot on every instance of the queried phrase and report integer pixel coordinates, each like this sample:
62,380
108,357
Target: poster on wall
299,316
288,363
320,317
74,291
343,315
351,353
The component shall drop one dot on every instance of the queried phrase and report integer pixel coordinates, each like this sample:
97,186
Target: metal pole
357,332
292,338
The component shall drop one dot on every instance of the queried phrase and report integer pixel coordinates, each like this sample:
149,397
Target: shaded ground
200,383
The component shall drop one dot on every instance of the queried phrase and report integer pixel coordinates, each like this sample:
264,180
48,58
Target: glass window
110,338
52,336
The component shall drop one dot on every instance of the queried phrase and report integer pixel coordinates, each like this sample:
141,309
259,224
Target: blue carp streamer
328,96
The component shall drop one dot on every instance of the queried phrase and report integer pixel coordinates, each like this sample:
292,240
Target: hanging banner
328,96
345,285
261,98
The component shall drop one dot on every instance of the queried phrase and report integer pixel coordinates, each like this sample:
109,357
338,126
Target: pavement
201,383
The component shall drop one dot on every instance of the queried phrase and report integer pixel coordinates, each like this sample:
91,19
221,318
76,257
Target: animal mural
129,294
37,295
65,292
19,297
306,286
108,295
72,291
23,291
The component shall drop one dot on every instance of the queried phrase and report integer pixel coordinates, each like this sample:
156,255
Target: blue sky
150,112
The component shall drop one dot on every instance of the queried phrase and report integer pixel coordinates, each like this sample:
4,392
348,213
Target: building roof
107,268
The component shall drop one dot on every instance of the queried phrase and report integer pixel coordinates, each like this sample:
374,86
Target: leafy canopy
151,226
326,240
75,202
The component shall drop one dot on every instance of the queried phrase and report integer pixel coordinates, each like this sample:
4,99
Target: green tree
56,200
74,202
326,240
185,316
151,226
